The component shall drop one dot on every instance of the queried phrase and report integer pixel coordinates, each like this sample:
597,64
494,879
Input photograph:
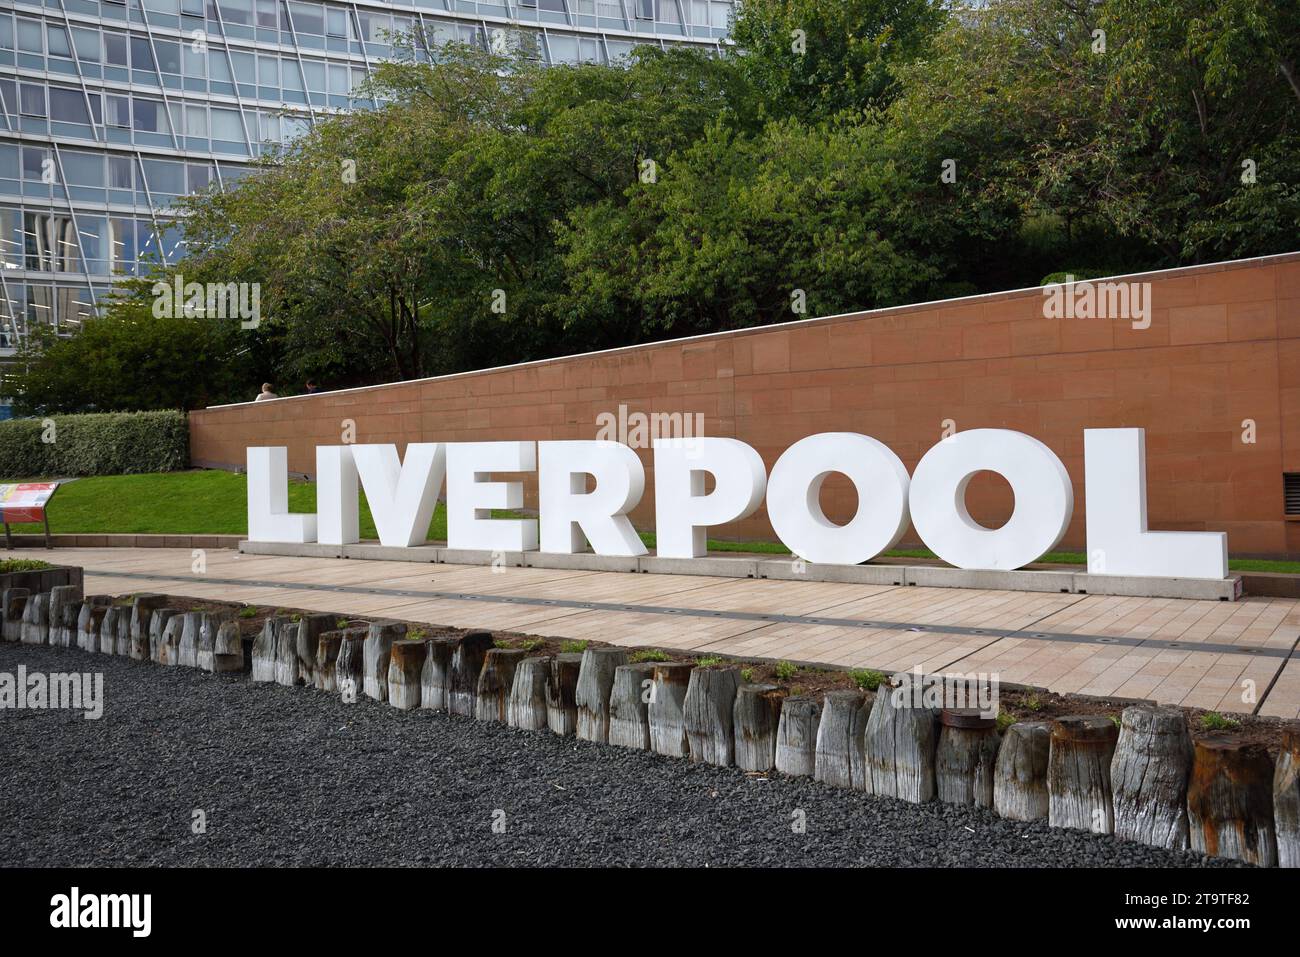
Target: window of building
141,55
57,38
148,116
121,244
374,26
115,49
86,42
266,14
119,111
120,172
194,62
30,38
196,121
237,11
245,65
226,125
38,164
31,99
68,105
336,21
268,70
83,169
199,176
165,176
168,54
308,18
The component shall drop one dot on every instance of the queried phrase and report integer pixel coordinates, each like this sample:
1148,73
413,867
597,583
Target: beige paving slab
1284,700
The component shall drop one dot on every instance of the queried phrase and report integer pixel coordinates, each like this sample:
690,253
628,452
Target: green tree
812,58
131,359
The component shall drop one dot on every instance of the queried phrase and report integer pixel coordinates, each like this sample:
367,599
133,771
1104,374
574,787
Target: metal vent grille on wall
1291,490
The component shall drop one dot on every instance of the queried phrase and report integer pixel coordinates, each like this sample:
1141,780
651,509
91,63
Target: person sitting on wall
266,393
312,387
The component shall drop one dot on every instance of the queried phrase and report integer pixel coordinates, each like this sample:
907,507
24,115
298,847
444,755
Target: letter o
794,487
1044,499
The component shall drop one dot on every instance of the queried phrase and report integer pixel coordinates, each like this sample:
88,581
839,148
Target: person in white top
266,393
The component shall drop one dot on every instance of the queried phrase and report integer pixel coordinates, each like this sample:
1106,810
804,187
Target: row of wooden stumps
1142,780
145,630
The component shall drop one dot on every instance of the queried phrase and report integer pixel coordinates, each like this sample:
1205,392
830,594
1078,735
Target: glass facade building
110,109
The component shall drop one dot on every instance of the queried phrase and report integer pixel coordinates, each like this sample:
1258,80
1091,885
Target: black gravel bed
297,777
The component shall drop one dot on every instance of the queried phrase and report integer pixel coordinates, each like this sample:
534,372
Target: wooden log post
36,620
709,714
901,739
435,676
1020,777
65,603
286,653
163,637
405,661
667,708
89,618
63,624
187,648
1286,801
377,650
11,610
266,647
1148,777
327,656
495,681
350,667
307,642
117,618
755,717
1230,800
629,705
595,683
840,754
228,648
209,625
328,646
137,643
466,665
965,760
1078,773
527,707
561,693
796,736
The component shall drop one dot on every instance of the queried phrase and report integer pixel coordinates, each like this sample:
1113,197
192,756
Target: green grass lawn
204,502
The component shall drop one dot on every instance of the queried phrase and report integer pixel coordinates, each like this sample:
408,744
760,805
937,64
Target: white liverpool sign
587,488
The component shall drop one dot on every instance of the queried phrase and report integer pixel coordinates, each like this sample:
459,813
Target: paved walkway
1226,656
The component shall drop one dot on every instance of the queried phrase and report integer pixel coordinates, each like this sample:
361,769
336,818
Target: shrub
866,678
23,565
1213,721
785,670
110,443
708,661
648,654
532,644
573,647
747,675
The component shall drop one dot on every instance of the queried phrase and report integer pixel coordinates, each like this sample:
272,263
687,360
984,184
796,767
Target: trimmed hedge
108,443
